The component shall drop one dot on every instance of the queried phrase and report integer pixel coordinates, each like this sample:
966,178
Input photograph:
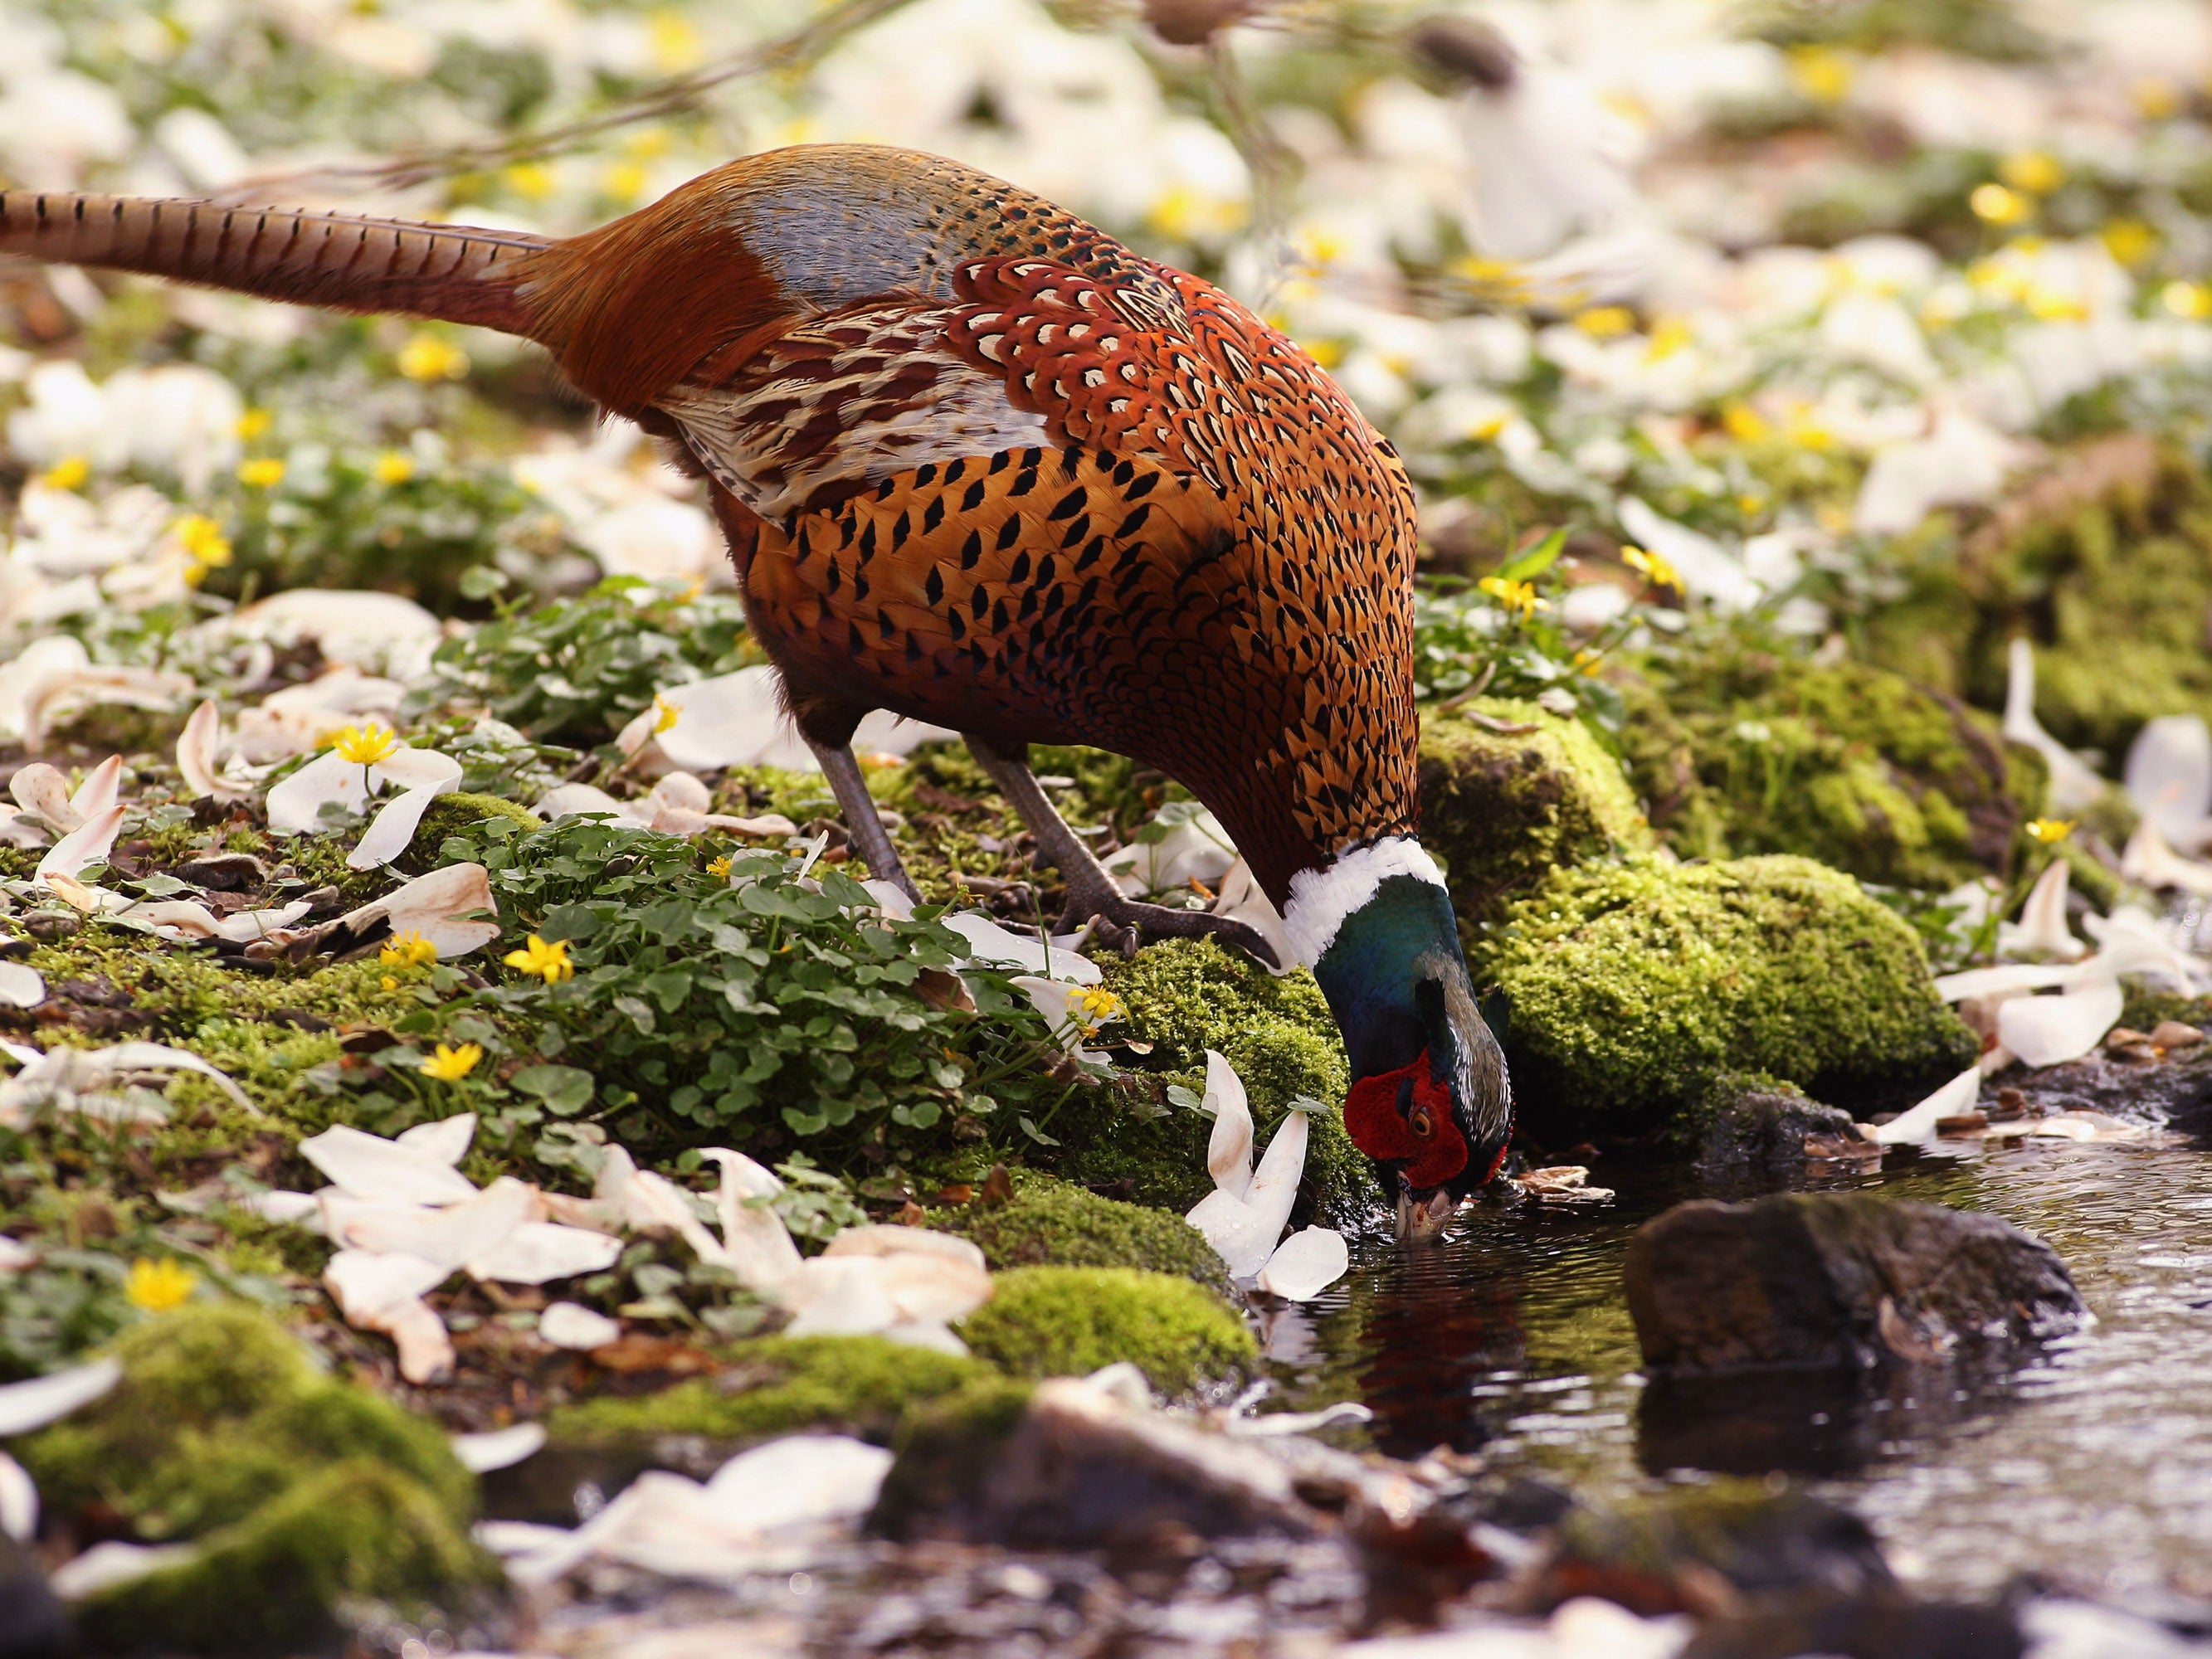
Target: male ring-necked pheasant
981,465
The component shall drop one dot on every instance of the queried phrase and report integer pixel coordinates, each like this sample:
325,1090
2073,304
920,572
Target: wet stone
1760,1124
1838,1281
33,1625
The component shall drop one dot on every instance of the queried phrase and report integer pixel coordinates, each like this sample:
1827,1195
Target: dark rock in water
32,1624
1838,1281
1884,1625
1064,1466
1813,1422
1749,1119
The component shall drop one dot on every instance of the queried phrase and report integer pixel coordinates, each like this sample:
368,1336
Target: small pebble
2136,1054
2174,1034
2125,1036
1962,1124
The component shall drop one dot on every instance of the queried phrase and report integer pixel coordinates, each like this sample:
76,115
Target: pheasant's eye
1418,1121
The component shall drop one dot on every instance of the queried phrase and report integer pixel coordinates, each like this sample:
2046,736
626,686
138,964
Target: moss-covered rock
944,1453
450,814
1632,985
1749,1119
1739,749
860,1384
1183,996
1049,1223
1068,1322
1510,793
2104,561
298,1488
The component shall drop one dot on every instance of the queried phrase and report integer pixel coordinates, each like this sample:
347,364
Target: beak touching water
1422,1214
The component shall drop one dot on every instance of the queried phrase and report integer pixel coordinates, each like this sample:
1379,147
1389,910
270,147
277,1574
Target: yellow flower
394,468
158,1287
2048,305
1605,322
675,45
2156,98
451,1065
68,473
1748,504
1487,429
533,180
426,358
1745,424
1821,73
390,983
2035,171
1518,598
624,182
1587,662
1668,337
1996,205
263,473
2192,300
252,425
542,960
719,868
2130,241
1656,570
2049,830
666,714
647,143
1327,353
1094,1006
364,745
204,545
408,951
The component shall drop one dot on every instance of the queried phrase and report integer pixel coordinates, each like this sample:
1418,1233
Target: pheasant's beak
1422,1213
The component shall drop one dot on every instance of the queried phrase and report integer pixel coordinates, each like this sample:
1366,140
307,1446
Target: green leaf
564,1089
1525,566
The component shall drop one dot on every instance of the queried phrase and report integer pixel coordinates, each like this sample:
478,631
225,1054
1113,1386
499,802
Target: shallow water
2092,1464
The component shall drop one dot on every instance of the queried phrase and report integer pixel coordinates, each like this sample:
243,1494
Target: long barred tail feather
456,273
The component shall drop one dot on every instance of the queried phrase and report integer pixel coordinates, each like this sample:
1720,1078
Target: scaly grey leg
1092,895
862,823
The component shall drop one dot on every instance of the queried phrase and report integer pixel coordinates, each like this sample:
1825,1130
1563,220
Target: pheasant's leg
862,821
1092,895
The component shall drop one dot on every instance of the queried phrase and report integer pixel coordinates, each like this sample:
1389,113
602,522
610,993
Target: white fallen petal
1240,898
569,1325
383,1293
927,1283
391,830
879,1239
2044,1031
929,1333
15,1255
1305,1264
42,790
838,1296
799,1480
2168,775
2147,859
114,1562
92,901
244,927
179,919
357,629
433,906
369,1166
1055,999
295,804
43,1400
683,791
732,719
19,1501
445,1141
539,1252
20,987
757,1246
97,793
417,768
2042,930
199,755
1285,1423
89,843
2004,977
639,1198
891,900
2074,786
449,1235
1247,1230
578,799
279,1206
1918,1123
1229,1147
498,1449
988,942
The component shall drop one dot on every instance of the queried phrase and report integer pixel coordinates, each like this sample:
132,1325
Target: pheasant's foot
1123,923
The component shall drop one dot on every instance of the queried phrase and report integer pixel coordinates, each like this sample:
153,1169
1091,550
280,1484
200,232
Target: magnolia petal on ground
540,1252
366,1166
759,1246
2073,785
19,1501
1229,1147
2042,930
114,1562
1918,1123
89,843
43,1400
20,987
383,1293
199,757
569,1325
435,905
1306,1264
498,1449
2168,777
1246,1231
1002,947
2044,1031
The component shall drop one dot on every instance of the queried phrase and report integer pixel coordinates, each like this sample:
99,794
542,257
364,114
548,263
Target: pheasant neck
1375,925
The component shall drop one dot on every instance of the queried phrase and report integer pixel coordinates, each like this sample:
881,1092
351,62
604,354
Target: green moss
1068,1322
1740,749
1503,808
1183,996
859,1383
945,1452
1050,1223
451,814
1632,985
276,1582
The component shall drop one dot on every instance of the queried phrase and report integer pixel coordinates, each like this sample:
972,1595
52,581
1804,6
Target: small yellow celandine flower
719,868
1605,322
449,1064
2049,830
1586,662
253,423
666,714
2156,98
68,473
426,358
408,951
543,961
1669,335
394,468
1095,1006
364,745
2190,301
1518,598
532,180
2048,305
1487,429
1655,569
1994,204
158,1286
2035,171
1744,423
390,983
624,182
263,473
1821,73
676,43
1748,504
2130,241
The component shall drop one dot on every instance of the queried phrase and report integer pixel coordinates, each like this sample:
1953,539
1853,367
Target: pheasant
981,465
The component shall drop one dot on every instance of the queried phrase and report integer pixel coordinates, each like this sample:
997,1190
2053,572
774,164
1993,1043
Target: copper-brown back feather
337,260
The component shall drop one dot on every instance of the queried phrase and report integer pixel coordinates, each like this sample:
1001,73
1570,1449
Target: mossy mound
1741,750
1633,986
1069,1322
451,814
298,1488
860,1384
944,1453
2104,562
1510,793
1183,996
1050,1223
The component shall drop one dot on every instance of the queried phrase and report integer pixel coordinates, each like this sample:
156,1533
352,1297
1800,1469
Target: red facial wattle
1424,1139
